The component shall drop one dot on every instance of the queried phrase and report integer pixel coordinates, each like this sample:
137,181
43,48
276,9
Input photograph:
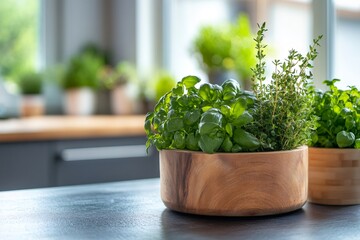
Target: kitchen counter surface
133,210
69,127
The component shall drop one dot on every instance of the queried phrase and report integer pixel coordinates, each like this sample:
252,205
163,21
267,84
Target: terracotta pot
79,101
334,176
234,184
32,105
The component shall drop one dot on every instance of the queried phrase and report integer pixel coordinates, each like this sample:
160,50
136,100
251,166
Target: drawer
103,160
25,165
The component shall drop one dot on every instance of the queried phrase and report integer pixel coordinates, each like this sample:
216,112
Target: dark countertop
133,210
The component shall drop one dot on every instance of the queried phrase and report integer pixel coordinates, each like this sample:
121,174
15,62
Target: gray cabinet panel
104,160
68,162
25,165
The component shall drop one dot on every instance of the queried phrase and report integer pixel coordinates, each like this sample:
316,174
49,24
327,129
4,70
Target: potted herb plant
334,159
229,152
123,85
32,103
80,80
214,46
227,51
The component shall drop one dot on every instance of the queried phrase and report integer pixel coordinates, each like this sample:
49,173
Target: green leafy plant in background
214,46
18,37
83,71
227,48
161,83
243,47
31,83
338,112
124,72
213,118
283,118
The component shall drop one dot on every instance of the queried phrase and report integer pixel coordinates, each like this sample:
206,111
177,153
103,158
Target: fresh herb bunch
83,71
31,83
213,118
210,118
338,113
283,120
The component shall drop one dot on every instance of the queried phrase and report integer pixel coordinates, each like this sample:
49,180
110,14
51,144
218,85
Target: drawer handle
96,153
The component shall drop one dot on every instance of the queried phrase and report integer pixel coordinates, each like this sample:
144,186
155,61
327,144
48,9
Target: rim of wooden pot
336,150
299,149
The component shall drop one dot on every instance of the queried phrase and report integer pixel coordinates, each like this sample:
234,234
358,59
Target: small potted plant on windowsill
334,159
229,152
123,85
227,51
80,81
32,102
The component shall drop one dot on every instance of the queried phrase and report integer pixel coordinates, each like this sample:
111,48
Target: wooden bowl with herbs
229,152
334,159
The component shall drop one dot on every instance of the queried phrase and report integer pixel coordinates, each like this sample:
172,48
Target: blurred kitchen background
111,60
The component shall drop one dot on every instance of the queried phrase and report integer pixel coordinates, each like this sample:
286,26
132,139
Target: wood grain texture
69,127
334,176
229,184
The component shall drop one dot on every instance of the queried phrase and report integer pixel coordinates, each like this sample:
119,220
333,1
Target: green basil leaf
174,124
148,119
179,140
229,129
204,91
192,142
178,90
350,123
206,108
210,144
191,117
227,144
246,140
208,128
225,110
344,97
357,143
213,115
236,148
190,81
230,89
345,139
238,108
244,119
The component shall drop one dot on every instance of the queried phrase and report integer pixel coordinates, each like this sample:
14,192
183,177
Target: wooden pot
234,184
334,176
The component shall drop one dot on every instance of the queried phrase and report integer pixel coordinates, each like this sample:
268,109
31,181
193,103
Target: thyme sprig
283,117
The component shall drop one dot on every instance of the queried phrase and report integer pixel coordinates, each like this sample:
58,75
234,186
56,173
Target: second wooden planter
234,184
334,176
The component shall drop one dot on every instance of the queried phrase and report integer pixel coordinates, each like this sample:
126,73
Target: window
18,37
347,38
291,26
185,22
